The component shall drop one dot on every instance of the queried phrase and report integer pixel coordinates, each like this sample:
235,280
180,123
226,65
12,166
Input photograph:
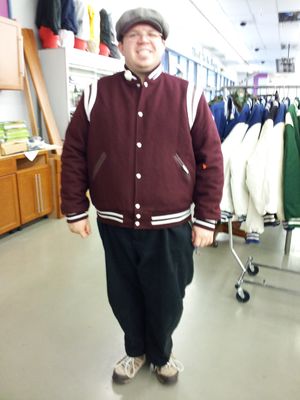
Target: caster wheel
215,243
253,270
242,296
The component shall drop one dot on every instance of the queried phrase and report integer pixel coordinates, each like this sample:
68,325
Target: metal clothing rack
252,268
261,87
226,89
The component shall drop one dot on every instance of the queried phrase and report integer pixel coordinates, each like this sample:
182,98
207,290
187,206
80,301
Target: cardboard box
8,148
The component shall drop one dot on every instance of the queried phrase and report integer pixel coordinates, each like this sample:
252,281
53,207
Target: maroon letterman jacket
145,152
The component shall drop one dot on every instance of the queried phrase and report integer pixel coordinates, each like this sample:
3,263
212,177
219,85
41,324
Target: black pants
147,272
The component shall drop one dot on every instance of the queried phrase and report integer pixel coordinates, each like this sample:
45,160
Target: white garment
229,147
257,167
66,38
254,222
274,173
83,20
238,165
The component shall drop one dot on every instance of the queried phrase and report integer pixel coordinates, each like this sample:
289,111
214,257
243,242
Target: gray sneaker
168,373
127,368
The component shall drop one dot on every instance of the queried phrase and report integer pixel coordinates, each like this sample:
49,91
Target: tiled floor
59,339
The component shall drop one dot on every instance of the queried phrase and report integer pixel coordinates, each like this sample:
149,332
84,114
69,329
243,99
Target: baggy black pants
147,272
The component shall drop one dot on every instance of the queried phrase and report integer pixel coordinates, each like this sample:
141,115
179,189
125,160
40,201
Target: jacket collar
130,76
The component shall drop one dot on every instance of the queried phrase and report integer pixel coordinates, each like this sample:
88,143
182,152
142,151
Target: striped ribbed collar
152,76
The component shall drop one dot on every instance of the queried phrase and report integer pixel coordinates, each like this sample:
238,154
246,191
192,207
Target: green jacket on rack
291,167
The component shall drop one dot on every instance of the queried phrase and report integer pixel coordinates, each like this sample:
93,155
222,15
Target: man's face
142,47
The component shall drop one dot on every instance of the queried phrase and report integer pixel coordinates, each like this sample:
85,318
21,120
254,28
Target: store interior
240,331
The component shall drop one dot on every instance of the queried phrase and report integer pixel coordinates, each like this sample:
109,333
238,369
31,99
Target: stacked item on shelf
2,134
14,136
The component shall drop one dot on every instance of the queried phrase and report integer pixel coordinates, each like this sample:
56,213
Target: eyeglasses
135,35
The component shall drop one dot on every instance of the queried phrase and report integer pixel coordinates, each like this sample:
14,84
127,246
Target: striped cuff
76,217
209,224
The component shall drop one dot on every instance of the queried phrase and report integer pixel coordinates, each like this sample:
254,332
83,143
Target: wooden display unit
12,59
65,68
25,190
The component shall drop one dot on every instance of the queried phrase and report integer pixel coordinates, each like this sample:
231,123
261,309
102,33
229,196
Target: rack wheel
253,270
242,296
215,243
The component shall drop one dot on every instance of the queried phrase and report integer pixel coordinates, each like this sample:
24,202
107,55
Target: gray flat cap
139,16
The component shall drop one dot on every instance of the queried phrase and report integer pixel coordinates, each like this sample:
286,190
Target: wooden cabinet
9,205
12,58
9,215
66,72
35,196
25,190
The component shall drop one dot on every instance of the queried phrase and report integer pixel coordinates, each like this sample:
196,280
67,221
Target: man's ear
120,47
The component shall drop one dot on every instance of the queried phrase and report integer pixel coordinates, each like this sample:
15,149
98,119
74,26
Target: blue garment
257,115
68,16
225,115
218,112
280,116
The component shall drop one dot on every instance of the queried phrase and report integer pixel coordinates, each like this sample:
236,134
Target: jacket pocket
98,165
182,165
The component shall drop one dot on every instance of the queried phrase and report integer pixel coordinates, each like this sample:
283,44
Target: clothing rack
252,268
259,87
226,90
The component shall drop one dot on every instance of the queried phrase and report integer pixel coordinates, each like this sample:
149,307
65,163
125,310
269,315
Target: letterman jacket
145,152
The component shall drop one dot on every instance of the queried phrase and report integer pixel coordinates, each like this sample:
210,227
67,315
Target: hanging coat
291,180
83,20
239,159
228,148
48,14
68,17
107,36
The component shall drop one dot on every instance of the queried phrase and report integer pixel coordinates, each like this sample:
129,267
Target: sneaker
127,368
168,373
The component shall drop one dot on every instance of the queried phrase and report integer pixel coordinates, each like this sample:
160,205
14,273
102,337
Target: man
145,145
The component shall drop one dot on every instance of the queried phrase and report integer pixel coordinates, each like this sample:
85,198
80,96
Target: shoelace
129,366
175,364
171,363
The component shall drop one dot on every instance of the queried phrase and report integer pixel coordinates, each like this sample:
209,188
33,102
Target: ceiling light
243,23
256,49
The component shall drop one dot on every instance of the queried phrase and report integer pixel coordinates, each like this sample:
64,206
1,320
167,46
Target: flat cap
139,16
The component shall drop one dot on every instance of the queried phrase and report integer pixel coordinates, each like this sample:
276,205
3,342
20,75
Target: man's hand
83,227
201,237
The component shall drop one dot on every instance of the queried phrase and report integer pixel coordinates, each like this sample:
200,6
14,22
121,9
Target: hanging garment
94,18
228,148
226,116
239,159
257,164
263,177
66,38
274,171
254,223
82,18
68,18
48,14
107,36
291,171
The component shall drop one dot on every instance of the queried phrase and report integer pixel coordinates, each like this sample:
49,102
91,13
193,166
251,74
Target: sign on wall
5,9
